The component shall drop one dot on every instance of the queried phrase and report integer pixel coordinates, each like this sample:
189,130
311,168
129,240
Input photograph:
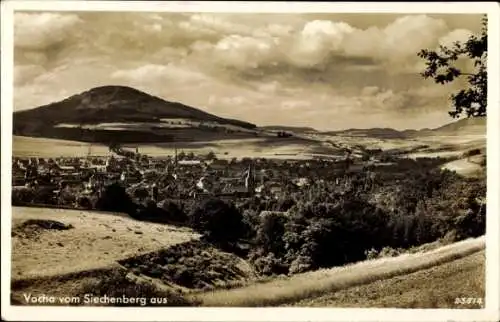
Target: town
78,182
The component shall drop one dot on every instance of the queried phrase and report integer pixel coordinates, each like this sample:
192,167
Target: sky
328,71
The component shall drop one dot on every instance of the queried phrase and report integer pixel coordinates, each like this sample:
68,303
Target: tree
115,198
270,232
217,220
441,66
211,156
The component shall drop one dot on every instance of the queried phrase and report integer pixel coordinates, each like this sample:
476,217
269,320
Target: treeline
344,227
291,235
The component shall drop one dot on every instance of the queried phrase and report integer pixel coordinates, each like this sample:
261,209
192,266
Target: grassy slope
436,287
97,240
317,283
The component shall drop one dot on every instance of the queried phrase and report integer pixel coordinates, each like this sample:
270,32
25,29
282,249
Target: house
66,168
189,163
301,182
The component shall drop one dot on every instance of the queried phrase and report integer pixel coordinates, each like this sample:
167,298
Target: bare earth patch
96,240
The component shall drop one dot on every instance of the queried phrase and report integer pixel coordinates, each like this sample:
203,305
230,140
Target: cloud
164,74
209,26
460,35
408,34
269,87
317,40
243,52
295,105
24,73
228,101
325,44
38,31
369,90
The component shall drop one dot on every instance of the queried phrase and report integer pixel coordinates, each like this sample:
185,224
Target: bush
472,152
173,212
85,203
270,265
22,196
67,198
471,222
217,220
301,264
45,195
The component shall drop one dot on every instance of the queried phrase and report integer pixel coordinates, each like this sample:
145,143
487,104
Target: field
95,241
49,148
314,284
289,148
306,147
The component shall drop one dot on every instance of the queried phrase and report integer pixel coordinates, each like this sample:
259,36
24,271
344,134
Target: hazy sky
328,71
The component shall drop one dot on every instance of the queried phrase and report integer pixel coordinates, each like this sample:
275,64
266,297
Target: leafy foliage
115,198
217,220
412,204
441,66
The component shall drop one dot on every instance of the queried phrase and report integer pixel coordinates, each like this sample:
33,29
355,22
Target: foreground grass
436,287
317,283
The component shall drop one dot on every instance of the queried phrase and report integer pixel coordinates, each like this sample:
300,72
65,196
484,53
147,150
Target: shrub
371,253
472,152
270,265
44,195
67,198
22,196
389,252
471,222
301,264
173,212
85,202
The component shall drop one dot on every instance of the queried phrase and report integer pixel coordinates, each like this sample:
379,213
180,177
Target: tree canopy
441,66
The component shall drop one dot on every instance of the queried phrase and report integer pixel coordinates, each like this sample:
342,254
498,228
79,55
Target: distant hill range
120,114
465,126
124,114
475,125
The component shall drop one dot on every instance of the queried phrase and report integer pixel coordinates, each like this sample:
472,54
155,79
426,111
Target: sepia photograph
214,155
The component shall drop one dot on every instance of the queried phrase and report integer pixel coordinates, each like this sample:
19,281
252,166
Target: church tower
250,180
